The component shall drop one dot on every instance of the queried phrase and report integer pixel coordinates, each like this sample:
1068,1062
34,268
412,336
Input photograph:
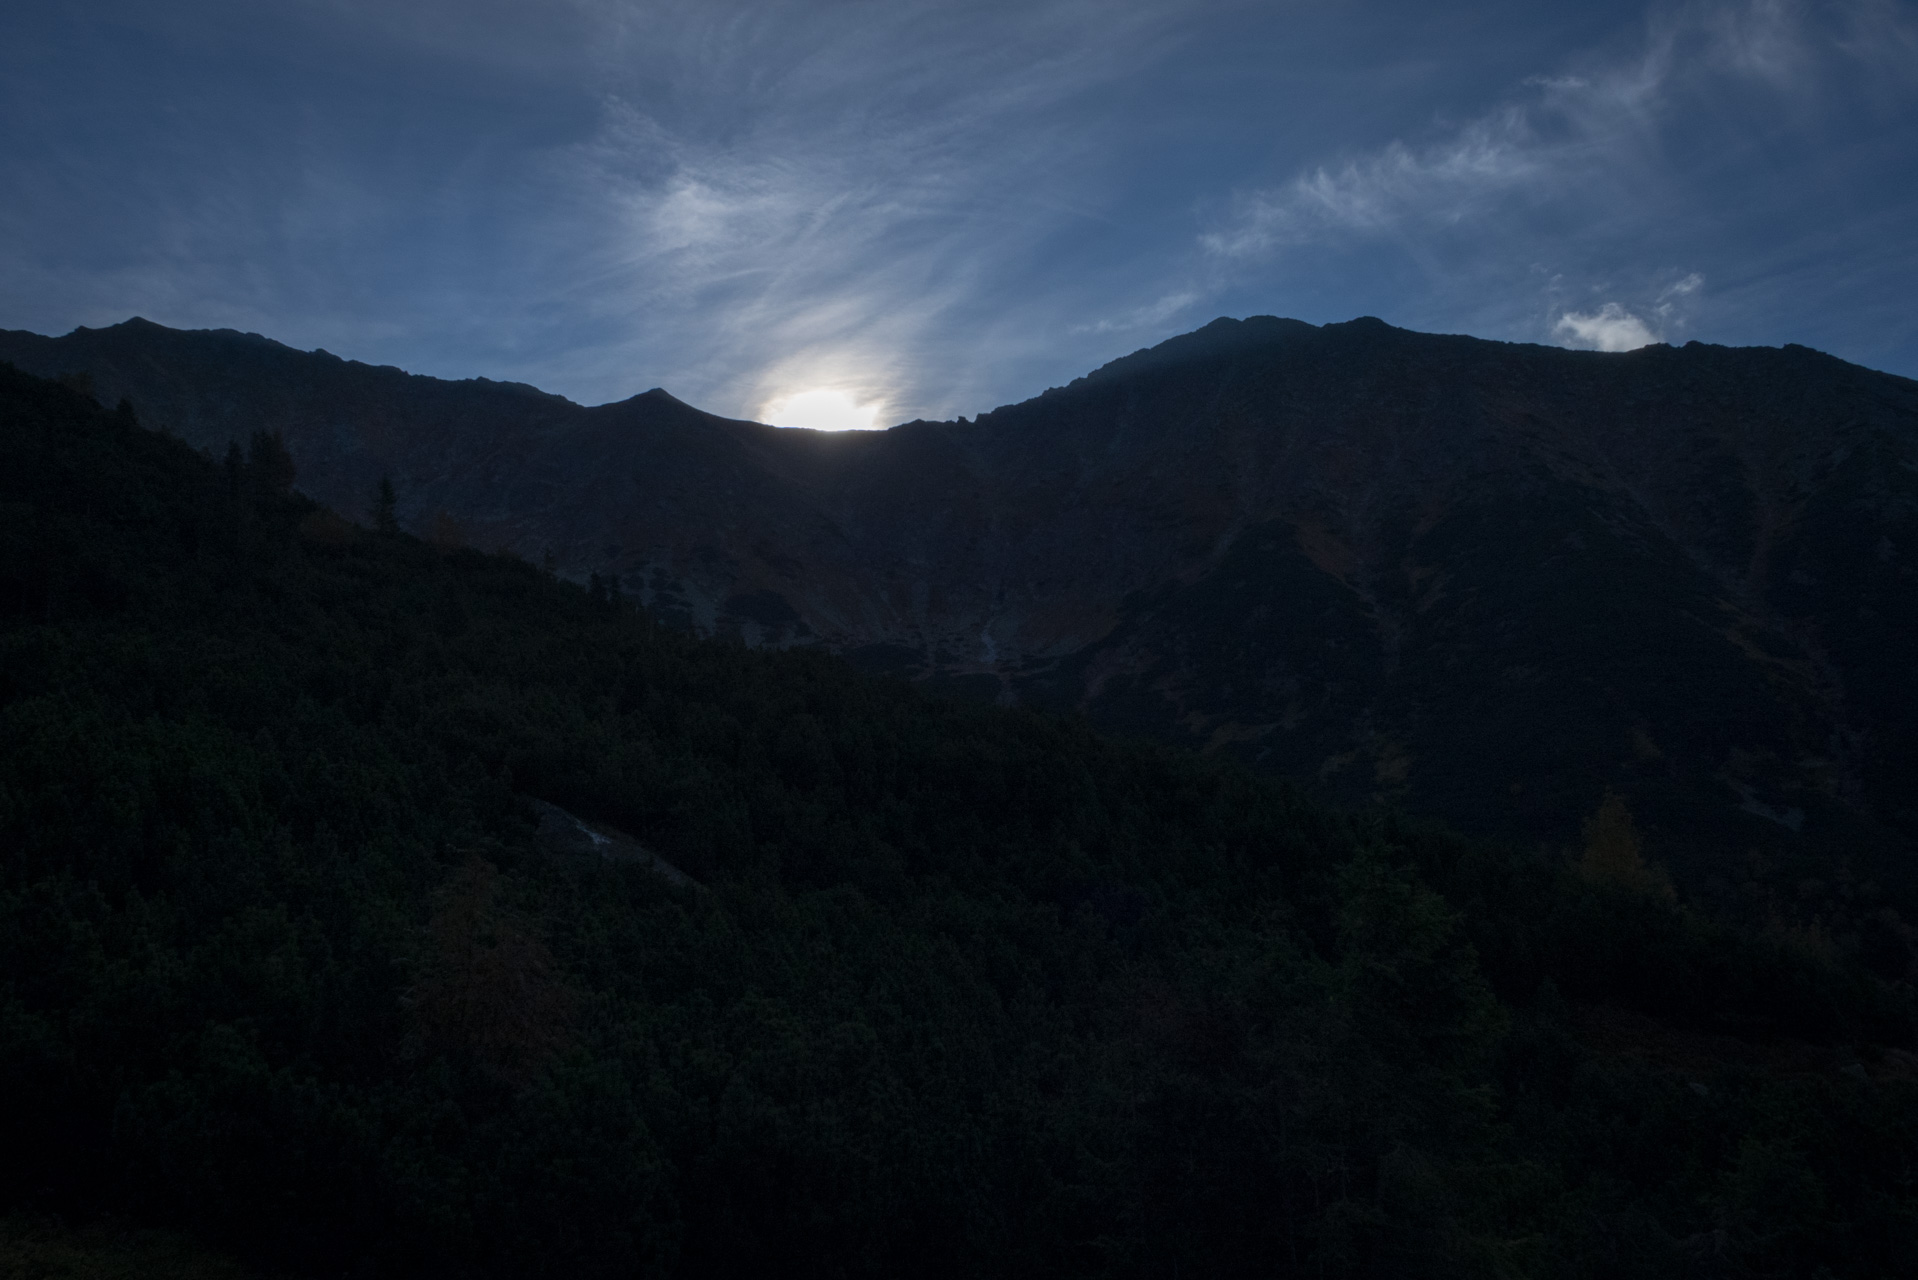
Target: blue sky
931,208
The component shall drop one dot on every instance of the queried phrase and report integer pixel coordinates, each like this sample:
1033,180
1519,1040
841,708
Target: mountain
1480,580
335,936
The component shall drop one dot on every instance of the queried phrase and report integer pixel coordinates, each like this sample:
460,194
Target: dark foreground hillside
292,960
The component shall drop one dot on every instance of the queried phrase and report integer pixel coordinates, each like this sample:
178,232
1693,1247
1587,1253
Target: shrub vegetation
285,963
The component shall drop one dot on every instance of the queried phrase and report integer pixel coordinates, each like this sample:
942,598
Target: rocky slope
1483,580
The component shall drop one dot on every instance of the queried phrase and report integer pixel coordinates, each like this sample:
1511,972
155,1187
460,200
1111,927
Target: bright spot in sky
1612,329
822,409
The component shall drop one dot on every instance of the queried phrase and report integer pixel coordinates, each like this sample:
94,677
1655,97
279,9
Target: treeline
285,962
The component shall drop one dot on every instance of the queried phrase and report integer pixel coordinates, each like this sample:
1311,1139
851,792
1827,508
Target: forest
290,967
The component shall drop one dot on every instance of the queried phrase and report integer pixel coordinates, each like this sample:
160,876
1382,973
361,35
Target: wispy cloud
1584,152
1882,35
1151,315
939,205
1442,183
875,196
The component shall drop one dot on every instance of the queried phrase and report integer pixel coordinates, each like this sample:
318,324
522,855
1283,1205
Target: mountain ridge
1484,580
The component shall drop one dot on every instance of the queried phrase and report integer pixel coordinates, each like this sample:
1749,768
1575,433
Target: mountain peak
1222,336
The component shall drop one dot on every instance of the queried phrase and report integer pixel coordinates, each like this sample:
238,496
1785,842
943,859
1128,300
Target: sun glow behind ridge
822,409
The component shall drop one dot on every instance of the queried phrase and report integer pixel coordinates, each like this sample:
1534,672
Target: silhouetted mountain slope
291,959
1486,581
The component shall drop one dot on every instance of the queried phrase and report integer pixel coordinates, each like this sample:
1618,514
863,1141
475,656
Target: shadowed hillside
1484,581
369,907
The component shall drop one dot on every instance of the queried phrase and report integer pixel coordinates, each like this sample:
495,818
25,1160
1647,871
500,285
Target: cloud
939,205
735,199
1677,294
1882,35
1615,328
1151,315
848,207
1571,173
1610,328
1443,183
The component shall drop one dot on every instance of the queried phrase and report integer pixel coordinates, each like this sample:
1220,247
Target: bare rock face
1480,580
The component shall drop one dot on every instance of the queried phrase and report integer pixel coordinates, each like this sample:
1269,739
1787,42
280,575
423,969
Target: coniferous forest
292,966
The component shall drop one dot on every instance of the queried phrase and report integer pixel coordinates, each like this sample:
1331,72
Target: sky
861,213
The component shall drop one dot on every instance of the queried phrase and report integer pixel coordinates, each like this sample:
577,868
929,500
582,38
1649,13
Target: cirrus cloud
942,206
1577,178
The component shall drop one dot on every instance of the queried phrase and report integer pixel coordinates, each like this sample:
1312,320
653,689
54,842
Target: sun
821,409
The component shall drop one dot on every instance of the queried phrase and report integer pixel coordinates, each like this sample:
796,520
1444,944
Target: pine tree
269,464
385,518
1613,852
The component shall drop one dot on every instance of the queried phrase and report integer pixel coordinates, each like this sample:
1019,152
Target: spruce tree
385,519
